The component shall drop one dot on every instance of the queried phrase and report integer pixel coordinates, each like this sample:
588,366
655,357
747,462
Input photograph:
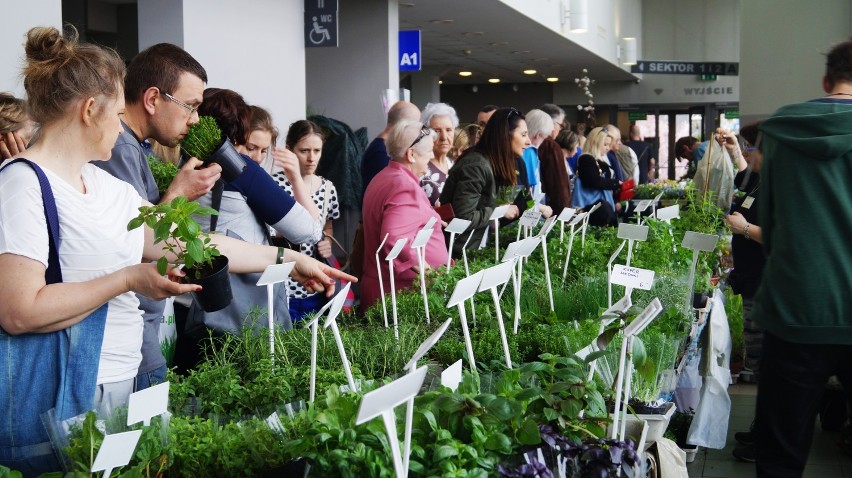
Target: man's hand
11,144
193,182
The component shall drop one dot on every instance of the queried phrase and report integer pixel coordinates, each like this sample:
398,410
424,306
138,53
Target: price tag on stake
465,289
499,212
668,213
530,217
699,242
496,275
451,377
421,238
632,277
276,273
116,451
148,403
430,224
457,225
428,344
577,219
397,248
632,231
566,214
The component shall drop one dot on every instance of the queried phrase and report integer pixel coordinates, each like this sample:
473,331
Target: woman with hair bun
70,324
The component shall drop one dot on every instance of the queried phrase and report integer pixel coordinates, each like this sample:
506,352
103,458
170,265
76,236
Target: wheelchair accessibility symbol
319,34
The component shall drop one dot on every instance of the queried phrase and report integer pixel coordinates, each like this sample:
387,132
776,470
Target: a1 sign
409,50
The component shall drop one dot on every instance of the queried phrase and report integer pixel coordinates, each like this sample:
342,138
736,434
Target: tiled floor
825,460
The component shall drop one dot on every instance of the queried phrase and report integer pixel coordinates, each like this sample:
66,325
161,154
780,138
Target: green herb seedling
180,234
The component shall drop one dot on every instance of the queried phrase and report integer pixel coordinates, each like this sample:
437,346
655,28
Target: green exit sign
732,114
707,77
636,116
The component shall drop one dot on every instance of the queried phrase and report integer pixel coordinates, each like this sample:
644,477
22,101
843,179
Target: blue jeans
299,308
148,379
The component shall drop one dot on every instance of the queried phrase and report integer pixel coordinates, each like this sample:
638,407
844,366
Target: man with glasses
163,90
558,115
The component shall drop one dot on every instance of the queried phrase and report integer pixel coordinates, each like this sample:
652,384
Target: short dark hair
750,133
230,111
567,139
686,141
496,145
838,63
553,110
488,108
160,65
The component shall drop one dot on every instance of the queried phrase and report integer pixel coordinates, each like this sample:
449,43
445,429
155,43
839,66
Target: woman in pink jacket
395,204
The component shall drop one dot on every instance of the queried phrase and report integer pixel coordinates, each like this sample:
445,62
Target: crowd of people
77,170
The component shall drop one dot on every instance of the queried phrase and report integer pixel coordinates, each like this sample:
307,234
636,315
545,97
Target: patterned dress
294,289
433,182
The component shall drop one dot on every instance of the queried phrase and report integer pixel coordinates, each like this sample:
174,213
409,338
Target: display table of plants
525,404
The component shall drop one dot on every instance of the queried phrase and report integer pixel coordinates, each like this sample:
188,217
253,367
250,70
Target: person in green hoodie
803,300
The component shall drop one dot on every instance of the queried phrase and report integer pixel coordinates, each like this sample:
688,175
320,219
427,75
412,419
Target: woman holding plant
472,184
305,140
395,205
71,327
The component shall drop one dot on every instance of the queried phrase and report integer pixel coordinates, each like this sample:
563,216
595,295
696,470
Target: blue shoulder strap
53,274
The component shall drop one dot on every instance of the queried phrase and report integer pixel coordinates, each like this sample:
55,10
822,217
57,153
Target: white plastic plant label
116,451
457,225
632,277
397,248
699,242
632,231
148,403
668,213
451,376
530,217
276,273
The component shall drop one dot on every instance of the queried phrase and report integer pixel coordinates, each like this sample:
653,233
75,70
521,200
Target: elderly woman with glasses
395,205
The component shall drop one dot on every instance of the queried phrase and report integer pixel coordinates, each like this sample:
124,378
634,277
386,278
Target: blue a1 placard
409,50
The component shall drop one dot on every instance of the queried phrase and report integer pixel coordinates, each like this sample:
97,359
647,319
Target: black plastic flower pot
229,159
215,285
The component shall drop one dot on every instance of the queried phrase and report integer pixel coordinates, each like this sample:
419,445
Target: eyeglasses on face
189,108
424,132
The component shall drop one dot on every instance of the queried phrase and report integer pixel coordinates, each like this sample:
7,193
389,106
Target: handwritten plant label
530,217
632,277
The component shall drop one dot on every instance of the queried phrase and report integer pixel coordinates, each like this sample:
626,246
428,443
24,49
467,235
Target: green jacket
806,219
470,188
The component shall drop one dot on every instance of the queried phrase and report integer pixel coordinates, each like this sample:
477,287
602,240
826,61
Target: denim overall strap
40,372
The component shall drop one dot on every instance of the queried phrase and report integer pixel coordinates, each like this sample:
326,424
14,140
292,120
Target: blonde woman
595,179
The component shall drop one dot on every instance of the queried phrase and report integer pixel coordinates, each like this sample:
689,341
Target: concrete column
345,83
255,48
425,87
13,35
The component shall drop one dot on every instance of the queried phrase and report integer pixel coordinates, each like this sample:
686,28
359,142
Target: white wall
345,83
785,63
13,35
255,50
608,21
677,30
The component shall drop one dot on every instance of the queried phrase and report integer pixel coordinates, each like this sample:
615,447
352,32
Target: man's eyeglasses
190,109
424,132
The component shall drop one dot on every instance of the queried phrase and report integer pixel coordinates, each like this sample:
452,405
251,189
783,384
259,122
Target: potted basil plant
181,235
206,142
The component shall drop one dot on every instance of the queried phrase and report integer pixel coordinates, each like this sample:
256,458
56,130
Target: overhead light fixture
494,80
440,82
473,34
552,79
465,73
576,15
439,21
628,51
530,72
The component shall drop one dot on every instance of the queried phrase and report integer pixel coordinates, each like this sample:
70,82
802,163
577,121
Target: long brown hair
554,175
496,145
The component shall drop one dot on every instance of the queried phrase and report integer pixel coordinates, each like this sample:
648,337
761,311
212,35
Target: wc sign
409,50
320,23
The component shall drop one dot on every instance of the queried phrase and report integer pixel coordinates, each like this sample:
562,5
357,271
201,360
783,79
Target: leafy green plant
179,233
734,311
202,139
679,424
164,172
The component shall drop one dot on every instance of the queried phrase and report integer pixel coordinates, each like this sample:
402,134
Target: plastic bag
707,429
719,178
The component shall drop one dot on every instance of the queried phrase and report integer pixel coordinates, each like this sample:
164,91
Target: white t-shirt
94,242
